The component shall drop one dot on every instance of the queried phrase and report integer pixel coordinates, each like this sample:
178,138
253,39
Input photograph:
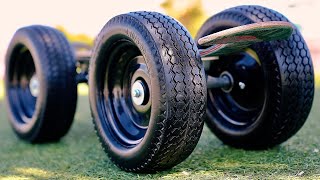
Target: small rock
300,173
185,173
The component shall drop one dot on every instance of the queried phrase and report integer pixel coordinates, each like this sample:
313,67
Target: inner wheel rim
128,116
21,71
242,105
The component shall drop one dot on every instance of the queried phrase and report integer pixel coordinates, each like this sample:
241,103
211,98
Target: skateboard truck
237,39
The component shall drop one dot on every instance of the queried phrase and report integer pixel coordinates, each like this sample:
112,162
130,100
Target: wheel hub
138,92
238,102
34,86
227,75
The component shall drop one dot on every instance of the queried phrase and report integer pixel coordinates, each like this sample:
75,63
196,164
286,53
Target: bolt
242,85
136,93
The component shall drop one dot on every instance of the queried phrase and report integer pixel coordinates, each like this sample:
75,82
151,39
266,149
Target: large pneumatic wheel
273,84
147,91
41,89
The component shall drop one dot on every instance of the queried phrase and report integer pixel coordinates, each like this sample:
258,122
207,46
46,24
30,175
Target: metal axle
224,81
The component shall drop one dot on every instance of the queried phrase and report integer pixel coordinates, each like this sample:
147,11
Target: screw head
136,93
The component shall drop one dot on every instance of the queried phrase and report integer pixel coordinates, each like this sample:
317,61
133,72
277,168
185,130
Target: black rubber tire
178,91
289,83
47,116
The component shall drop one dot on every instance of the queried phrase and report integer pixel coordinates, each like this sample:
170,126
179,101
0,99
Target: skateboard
238,38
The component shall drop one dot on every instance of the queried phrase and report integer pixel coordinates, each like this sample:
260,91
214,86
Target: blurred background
82,20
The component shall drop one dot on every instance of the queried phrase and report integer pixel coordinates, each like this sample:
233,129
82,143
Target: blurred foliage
83,38
189,13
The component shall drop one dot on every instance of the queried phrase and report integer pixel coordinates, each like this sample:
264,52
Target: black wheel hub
22,85
240,105
126,81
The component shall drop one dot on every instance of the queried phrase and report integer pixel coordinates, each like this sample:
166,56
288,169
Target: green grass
79,155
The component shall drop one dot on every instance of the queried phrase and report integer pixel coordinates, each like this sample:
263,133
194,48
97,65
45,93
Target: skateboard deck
238,38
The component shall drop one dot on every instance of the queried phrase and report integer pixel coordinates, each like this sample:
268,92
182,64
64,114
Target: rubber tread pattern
293,89
182,87
59,67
